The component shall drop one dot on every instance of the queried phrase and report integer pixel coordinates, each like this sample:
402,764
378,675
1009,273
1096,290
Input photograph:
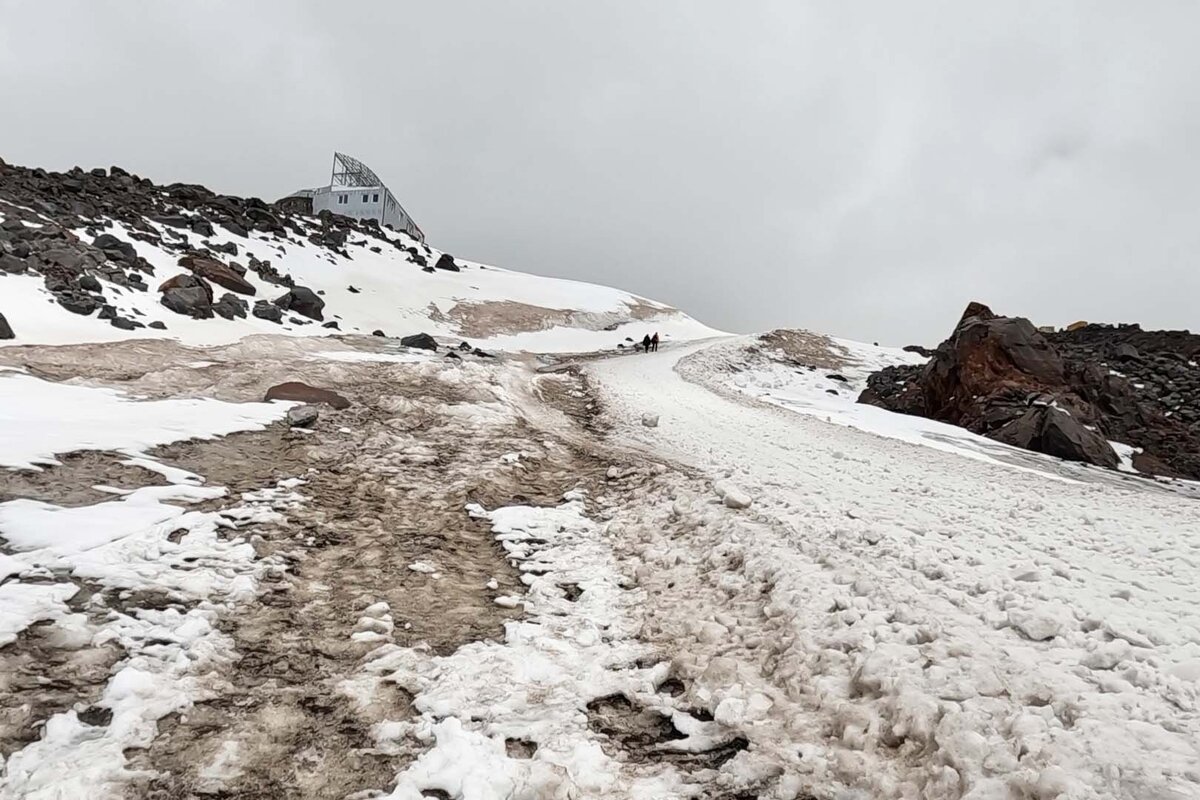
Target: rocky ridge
56,225
1067,393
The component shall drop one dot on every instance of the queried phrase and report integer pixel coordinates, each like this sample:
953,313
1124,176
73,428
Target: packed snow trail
897,621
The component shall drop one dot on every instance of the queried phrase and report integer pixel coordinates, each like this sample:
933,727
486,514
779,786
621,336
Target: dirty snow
531,686
40,419
146,540
852,604
926,623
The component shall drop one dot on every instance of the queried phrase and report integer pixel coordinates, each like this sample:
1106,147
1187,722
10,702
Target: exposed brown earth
386,482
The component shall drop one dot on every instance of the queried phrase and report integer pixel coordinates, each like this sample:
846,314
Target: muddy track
379,551
386,485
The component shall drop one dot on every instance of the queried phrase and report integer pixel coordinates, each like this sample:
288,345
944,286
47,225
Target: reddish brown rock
302,392
185,281
987,356
212,270
1066,393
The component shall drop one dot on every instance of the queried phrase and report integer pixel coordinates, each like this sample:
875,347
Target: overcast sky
862,169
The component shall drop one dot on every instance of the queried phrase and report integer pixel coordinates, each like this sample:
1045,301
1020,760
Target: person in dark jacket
646,343
654,342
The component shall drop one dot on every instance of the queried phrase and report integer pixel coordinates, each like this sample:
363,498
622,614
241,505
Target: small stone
731,495
302,416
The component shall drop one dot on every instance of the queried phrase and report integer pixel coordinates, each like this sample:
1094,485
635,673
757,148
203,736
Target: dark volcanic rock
267,311
126,324
446,261
420,340
11,264
192,301
77,302
6,331
1126,352
270,274
302,392
230,306
919,350
303,301
1054,432
185,281
114,248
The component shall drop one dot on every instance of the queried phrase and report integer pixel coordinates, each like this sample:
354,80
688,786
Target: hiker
646,343
654,342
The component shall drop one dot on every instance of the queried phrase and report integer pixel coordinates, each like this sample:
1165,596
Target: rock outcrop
1066,394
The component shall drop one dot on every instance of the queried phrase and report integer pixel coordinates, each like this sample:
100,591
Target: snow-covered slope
914,623
369,285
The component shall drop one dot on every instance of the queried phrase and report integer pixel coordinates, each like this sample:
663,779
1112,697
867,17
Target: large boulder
6,331
303,301
185,281
986,358
1048,429
421,341
222,275
446,261
192,301
188,295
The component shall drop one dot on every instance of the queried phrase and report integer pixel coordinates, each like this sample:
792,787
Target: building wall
374,202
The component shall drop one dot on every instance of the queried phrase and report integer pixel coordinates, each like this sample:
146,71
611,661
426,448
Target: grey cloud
862,169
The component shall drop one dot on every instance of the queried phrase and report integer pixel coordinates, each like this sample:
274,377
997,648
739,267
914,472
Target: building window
343,199
375,199
365,196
